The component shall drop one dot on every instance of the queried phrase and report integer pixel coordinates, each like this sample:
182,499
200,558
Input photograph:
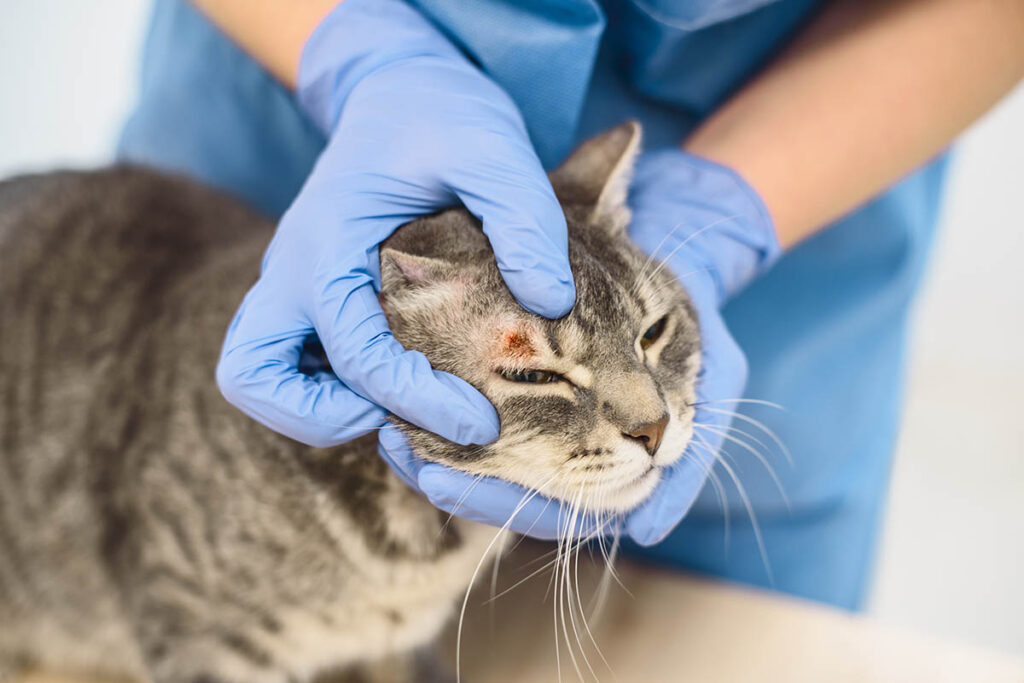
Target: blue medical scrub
824,331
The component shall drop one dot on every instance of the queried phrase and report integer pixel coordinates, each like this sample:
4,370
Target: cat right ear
399,270
598,172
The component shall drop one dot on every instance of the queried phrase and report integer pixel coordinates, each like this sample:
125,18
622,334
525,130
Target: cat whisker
600,596
741,490
526,533
494,588
570,592
610,559
535,560
596,534
732,428
719,488
669,284
547,565
654,253
575,532
469,489
458,504
583,617
760,425
465,600
757,401
561,589
743,444
664,261
560,535
517,584
724,504
553,584
571,542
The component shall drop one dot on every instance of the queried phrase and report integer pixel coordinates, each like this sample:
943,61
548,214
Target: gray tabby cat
149,529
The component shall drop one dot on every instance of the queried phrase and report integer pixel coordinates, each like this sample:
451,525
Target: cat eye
653,333
531,376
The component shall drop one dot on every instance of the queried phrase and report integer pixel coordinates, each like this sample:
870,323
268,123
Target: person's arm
870,90
273,32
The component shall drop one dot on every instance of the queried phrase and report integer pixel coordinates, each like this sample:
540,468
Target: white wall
953,548
67,79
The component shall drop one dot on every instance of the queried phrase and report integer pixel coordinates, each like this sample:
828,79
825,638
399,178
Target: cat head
594,405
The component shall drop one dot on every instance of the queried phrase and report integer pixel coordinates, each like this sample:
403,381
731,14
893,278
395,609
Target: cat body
149,529
143,518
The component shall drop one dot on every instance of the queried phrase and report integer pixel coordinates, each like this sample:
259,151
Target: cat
150,530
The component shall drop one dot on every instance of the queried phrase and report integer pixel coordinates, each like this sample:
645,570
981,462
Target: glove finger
262,379
393,447
655,519
526,228
366,357
499,503
454,491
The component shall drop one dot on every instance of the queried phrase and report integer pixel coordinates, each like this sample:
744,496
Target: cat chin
632,494
617,498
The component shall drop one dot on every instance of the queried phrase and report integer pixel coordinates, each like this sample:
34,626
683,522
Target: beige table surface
672,627
681,628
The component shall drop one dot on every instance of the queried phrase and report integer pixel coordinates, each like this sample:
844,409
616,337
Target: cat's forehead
609,306
608,272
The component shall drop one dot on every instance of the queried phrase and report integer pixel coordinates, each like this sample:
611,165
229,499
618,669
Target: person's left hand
412,127
714,232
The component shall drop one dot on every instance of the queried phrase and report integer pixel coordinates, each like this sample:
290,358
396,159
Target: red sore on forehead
517,343
514,342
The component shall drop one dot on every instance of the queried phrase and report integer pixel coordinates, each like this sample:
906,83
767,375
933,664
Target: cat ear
399,270
599,171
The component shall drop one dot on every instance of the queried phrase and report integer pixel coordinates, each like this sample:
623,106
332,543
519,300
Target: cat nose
649,434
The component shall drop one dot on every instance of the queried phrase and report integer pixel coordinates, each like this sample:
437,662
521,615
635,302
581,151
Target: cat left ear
399,270
598,172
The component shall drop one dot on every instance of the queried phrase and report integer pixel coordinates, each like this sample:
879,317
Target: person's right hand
413,127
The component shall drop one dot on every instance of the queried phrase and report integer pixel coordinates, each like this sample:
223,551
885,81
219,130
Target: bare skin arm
273,32
869,91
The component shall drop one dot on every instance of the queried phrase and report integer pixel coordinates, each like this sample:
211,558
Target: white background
953,550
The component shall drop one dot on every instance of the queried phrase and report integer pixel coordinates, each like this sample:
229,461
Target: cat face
593,406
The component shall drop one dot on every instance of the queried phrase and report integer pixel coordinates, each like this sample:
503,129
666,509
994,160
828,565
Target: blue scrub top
824,331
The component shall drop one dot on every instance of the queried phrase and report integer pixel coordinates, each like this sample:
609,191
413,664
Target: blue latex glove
413,127
714,232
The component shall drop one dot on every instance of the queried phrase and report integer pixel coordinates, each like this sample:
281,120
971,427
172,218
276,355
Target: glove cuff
726,221
356,38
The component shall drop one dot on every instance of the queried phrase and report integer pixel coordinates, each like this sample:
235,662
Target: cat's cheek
632,496
498,389
534,464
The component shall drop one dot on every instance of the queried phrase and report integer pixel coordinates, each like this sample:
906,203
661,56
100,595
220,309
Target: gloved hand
714,232
413,127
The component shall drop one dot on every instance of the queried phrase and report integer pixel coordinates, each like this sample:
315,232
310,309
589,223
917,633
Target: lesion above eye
653,333
531,376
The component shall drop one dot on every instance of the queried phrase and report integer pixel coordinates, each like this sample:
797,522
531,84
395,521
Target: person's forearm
869,91
272,31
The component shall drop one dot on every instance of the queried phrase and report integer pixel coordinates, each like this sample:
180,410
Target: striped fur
151,530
